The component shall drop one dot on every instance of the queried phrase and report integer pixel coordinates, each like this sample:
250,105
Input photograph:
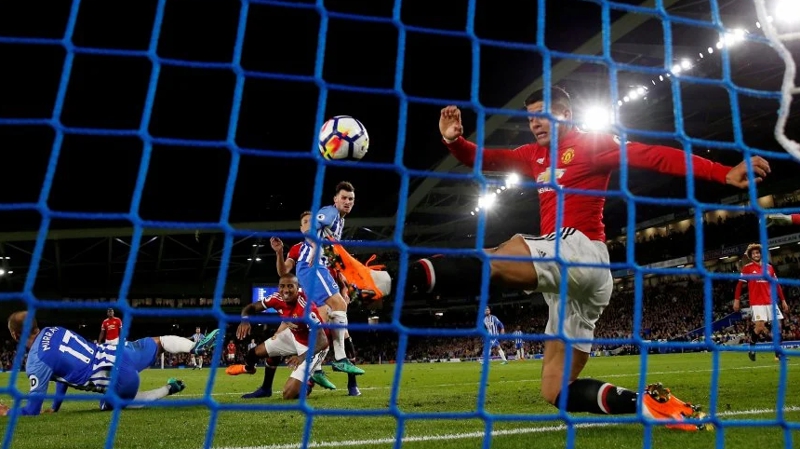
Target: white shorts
588,288
112,342
284,344
763,313
231,356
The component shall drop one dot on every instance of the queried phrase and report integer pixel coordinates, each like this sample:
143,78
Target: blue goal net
619,80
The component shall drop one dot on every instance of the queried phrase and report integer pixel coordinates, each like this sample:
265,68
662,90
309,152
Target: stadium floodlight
627,99
686,64
633,94
676,69
487,201
596,118
512,180
2,271
787,11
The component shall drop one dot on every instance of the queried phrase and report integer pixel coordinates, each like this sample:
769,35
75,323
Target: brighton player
315,277
783,220
197,360
59,355
519,343
292,340
110,329
583,161
286,266
494,326
760,292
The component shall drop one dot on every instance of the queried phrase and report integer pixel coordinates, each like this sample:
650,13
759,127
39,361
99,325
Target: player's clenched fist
450,123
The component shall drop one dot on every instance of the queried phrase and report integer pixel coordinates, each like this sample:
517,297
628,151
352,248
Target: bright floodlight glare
596,118
787,11
660,78
487,201
633,94
640,91
626,99
686,64
710,50
2,271
720,45
619,102
512,180
676,69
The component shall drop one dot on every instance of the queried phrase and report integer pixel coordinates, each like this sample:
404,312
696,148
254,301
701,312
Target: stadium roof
186,180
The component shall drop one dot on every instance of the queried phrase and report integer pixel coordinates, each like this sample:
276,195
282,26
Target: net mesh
236,152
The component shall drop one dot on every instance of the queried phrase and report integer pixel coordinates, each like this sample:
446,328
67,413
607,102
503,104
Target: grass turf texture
747,391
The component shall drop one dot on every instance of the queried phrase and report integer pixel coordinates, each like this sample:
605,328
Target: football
343,138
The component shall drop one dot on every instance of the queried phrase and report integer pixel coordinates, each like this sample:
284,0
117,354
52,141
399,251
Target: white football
343,137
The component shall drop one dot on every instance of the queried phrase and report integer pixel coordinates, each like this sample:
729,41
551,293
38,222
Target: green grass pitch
747,390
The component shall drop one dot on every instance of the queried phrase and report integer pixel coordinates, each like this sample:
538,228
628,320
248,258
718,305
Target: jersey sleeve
294,252
104,326
272,302
39,377
519,160
662,159
326,216
498,323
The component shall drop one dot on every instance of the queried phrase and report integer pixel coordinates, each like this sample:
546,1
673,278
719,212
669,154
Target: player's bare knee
336,303
513,273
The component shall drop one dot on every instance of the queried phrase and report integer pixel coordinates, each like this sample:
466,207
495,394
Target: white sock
200,361
502,354
176,345
320,358
338,317
151,395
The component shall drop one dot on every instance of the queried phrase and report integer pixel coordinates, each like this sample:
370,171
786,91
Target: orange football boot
235,370
370,282
660,404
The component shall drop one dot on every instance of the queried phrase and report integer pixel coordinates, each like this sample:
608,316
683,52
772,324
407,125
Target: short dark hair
557,96
290,276
346,186
304,214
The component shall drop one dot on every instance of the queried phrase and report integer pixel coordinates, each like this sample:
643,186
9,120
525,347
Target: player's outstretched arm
61,392
672,161
783,220
244,327
283,266
518,161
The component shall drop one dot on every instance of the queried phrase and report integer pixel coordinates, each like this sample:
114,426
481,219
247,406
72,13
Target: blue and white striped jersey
330,225
518,340
59,355
493,325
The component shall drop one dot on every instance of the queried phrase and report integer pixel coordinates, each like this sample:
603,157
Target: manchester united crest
568,156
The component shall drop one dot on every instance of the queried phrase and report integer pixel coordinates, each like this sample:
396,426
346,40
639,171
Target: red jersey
796,219
112,327
297,310
294,252
231,348
760,289
584,161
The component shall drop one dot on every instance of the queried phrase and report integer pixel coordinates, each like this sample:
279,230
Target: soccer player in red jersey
109,330
582,161
760,292
292,341
285,266
783,220
231,352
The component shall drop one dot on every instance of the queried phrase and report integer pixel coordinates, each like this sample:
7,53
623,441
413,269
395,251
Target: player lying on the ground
760,291
582,161
783,220
56,354
291,340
